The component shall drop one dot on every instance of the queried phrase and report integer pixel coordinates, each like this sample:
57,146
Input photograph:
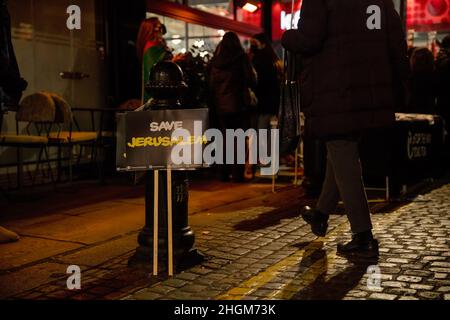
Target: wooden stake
169,220
155,222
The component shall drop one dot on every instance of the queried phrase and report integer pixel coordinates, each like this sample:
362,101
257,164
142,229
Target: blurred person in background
231,77
151,48
269,70
422,83
443,86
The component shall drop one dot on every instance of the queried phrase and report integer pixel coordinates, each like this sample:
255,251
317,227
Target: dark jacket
353,78
268,88
443,84
229,77
11,84
422,93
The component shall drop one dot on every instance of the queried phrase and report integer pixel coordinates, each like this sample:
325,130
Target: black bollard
166,86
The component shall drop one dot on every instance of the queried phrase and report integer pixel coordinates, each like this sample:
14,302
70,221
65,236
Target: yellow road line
251,285
305,279
310,275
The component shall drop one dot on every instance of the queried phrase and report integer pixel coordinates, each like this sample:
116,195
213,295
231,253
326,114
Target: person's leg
328,200
344,158
329,196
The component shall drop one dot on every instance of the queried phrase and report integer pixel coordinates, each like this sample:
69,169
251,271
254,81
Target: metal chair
66,137
38,111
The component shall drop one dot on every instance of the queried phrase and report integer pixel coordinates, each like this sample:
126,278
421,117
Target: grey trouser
344,178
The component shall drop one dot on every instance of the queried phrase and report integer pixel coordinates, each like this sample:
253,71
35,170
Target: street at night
224,159
255,247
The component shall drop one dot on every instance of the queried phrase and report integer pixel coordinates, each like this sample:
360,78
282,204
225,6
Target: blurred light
176,40
249,5
199,43
183,50
221,32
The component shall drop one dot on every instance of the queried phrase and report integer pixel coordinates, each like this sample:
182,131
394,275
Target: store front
202,23
426,22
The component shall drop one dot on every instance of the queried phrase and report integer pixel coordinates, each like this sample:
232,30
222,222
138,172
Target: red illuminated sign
283,15
428,15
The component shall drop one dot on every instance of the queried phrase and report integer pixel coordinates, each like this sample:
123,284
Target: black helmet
166,81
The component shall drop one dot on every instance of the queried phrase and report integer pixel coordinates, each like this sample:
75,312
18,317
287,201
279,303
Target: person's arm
398,54
312,29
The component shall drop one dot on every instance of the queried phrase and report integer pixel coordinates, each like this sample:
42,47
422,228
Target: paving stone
397,260
382,296
401,291
393,284
421,287
176,283
429,295
187,276
193,288
146,295
409,279
161,289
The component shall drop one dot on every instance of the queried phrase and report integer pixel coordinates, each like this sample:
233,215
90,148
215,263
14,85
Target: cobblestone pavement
262,252
285,261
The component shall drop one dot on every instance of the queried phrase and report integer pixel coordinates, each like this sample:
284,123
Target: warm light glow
176,40
250,7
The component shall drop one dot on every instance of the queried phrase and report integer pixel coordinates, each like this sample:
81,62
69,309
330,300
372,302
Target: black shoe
362,245
317,220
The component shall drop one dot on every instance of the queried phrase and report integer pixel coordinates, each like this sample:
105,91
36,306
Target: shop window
222,8
176,33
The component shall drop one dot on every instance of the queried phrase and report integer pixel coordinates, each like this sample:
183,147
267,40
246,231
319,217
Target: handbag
289,112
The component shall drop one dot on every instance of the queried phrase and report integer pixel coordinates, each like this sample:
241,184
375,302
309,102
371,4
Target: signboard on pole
154,140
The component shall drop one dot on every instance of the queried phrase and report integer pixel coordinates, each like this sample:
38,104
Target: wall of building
45,47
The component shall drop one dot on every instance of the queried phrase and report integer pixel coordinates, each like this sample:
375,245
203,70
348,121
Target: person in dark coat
354,75
230,77
422,84
442,65
269,70
11,83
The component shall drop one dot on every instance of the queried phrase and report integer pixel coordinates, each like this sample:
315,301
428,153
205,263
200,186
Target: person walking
354,75
231,77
